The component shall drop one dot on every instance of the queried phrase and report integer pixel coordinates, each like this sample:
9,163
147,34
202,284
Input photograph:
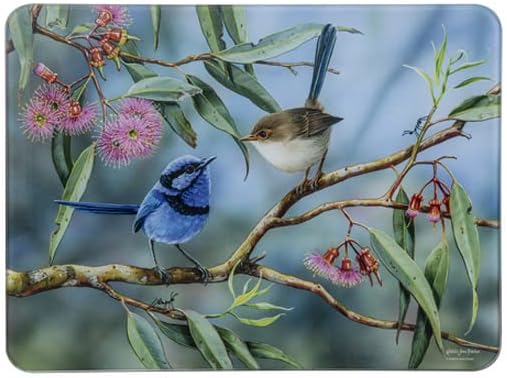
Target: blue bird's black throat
177,204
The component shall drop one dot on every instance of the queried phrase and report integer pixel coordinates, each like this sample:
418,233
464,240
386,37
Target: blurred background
79,328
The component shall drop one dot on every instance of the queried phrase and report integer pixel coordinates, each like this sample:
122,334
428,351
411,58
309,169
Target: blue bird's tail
323,53
101,208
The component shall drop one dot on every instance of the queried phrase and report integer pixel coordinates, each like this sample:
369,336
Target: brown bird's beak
248,138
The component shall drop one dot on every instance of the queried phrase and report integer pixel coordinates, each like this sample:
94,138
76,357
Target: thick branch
23,284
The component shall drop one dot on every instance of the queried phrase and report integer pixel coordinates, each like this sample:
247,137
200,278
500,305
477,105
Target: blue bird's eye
190,169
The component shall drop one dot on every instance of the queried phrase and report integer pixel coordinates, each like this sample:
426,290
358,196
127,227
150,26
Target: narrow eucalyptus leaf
60,154
440,56
244,84
211,21
237,346
155,12
436,272
162,88
267,351
57,16
20,28
406,271
207,340
467,66
74,189
178,122
404,234
262,322
145,342
466,236
470,80
477,108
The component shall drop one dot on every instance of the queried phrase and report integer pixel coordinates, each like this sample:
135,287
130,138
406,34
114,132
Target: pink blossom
56,97
39,120
119,14
316,263
79,120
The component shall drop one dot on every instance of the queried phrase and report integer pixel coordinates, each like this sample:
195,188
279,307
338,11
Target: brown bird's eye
190,169
262,134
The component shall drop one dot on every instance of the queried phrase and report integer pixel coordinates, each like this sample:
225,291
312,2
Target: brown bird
296,139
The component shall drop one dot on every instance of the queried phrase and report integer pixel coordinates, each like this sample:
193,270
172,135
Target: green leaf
179,333
267,351
178,122
466,66
234,17
466,236
74,189
145,342
57,16
348,29
246,297
267,306
477,108
155,22
130,47
436,272
20,28
404,234
262,322
207,340
162,88
244,84
60,153
80,29
211,108
470,80
406,271
230,280
425,76
210,19
237,346
139,71
440,55
272,45
457,56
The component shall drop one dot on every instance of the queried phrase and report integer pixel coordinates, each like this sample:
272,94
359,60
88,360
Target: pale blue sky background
378,99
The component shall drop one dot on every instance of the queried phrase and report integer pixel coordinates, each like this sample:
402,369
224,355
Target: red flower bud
74,109
447,204
414,205
111,50
435,214
104,18
117,35
45,73
346,264
331,255
368,264
96,58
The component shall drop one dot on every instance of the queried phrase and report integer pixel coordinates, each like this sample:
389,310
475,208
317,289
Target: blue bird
173,212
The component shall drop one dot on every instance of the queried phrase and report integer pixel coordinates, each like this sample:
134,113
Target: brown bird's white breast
294,155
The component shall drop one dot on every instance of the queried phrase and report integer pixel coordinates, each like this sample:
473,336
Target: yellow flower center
133,134
40,120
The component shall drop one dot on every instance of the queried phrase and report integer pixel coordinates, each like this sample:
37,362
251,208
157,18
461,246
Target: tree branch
22,284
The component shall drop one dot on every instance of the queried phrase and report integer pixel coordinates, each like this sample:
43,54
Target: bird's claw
314,182
163,275
205,274
302,186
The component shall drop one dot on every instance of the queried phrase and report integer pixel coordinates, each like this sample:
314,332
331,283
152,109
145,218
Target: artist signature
461,354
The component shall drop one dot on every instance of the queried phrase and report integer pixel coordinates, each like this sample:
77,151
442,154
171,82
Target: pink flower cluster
134,133
346,275
52,110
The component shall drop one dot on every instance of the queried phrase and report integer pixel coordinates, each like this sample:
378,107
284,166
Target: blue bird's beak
206,161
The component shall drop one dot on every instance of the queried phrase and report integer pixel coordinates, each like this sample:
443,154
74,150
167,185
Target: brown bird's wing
311,122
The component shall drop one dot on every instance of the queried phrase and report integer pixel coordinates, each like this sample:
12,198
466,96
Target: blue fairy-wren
173,212
296,139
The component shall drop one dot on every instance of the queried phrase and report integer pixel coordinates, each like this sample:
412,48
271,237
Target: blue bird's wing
150,203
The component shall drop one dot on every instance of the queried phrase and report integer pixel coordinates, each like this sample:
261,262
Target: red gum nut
331,255
74,109
104,18
45,73
117,35
369,264
97,59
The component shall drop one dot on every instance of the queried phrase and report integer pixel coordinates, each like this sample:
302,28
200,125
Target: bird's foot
163,275
314,182
302,186
205,274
